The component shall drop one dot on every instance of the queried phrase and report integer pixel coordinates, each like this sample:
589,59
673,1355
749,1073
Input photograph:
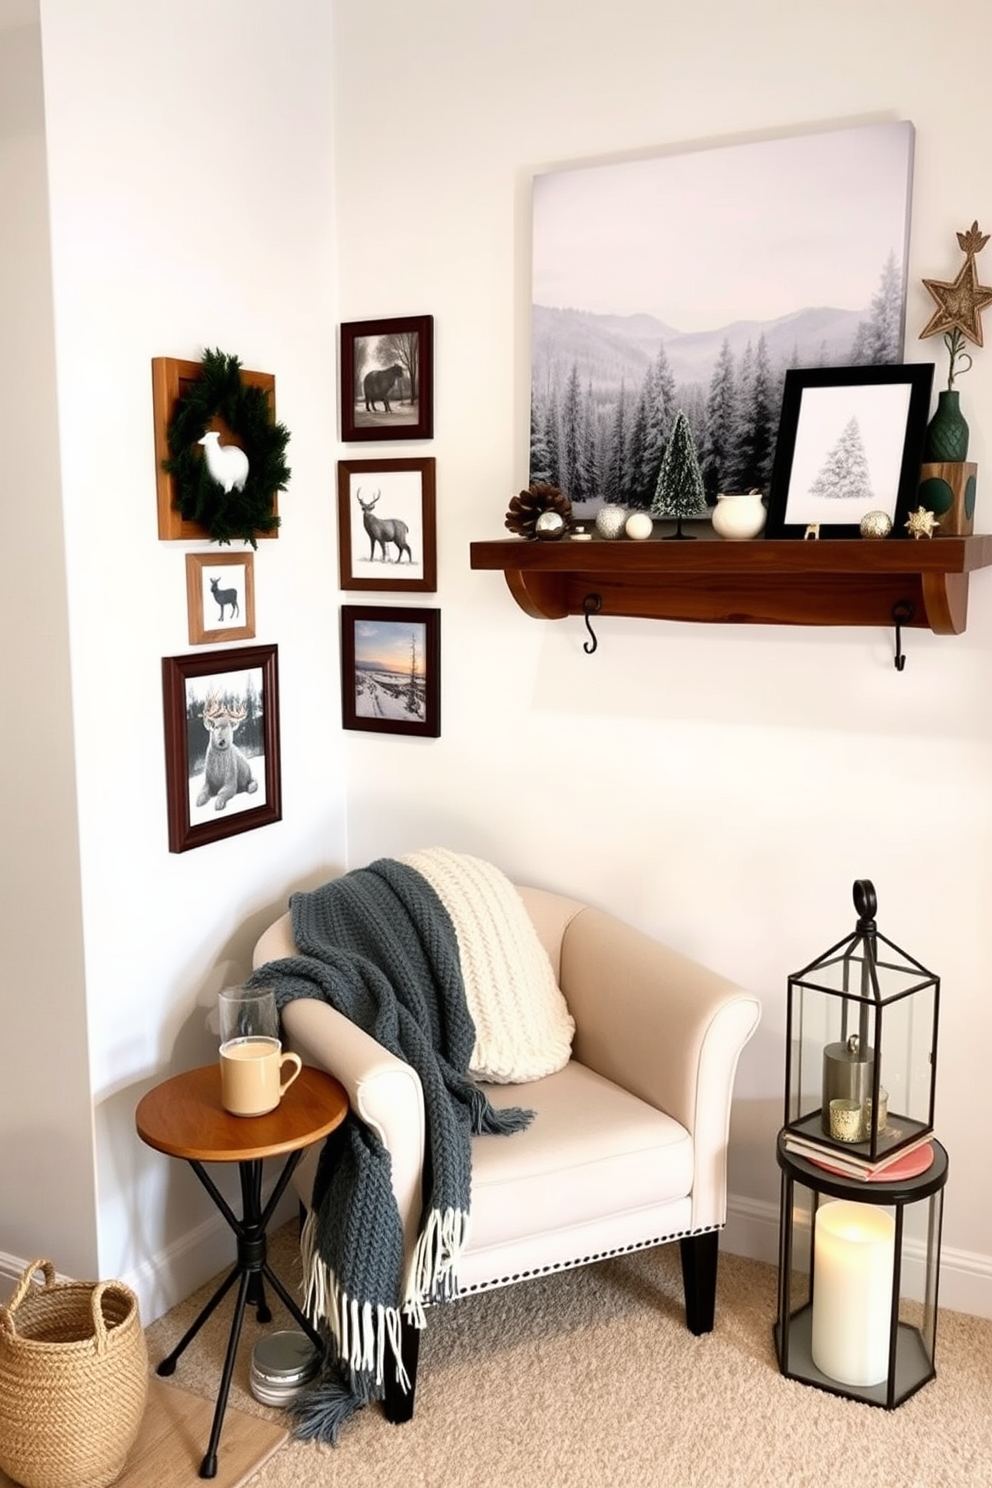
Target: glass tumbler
247,1012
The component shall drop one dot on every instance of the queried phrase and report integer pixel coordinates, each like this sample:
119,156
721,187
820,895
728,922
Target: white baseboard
965,1283
752,1231
173,1273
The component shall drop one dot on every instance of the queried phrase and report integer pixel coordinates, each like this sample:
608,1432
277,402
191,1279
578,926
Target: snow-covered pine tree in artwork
845,472
679,492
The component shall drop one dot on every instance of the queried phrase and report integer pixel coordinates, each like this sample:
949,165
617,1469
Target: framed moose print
220,597
387,378
221,743
391,670
386,525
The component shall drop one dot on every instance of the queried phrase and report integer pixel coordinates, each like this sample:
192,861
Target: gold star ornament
960,302
922,523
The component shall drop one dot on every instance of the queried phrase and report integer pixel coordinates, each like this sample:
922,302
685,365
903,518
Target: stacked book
906,1162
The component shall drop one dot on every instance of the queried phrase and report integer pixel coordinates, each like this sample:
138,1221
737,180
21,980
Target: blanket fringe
435,1259
362,1332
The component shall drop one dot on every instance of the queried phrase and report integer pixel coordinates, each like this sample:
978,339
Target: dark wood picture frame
391,670
832,416
394,546
233,600
243,679
171,377
399,354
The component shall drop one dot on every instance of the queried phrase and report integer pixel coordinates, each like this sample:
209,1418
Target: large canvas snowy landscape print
692,282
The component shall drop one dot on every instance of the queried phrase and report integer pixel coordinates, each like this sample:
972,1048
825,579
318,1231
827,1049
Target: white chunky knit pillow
523,1029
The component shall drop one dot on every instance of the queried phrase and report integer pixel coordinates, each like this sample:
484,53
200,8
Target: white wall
46,1151
723,787
190,175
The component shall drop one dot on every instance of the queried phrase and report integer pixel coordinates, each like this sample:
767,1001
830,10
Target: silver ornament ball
550,524
610,521
876,524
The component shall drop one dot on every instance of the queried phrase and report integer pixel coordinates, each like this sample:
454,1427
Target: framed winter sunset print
690,281
391,670
850,442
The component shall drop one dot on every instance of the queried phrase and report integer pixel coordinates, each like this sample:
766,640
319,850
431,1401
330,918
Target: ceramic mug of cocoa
252,1078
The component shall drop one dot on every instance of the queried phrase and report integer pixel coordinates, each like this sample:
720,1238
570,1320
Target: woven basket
73,1381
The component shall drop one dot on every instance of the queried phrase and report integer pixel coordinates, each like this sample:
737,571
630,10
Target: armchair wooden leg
699,1258
397,1404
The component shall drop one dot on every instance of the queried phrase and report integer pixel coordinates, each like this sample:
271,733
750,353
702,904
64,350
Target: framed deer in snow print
221,743
387,526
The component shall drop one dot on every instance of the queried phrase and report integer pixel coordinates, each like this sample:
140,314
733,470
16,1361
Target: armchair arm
663,1027
383,1091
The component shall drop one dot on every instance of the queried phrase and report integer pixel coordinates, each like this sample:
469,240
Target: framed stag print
386,525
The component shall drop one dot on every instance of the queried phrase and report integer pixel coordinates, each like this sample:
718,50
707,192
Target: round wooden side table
183,1117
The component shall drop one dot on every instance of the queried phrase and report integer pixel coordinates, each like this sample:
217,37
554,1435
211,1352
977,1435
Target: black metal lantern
861,1051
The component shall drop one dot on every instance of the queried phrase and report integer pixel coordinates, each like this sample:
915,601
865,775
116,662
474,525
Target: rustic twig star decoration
960,303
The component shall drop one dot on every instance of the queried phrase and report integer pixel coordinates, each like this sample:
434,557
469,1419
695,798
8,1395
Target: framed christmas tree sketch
850,441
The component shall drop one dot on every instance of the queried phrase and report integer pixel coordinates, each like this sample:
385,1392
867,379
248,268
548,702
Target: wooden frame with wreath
192,400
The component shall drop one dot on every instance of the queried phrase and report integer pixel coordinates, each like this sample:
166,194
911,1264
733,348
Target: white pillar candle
853,1261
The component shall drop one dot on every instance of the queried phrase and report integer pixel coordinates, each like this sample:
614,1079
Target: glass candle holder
846,1120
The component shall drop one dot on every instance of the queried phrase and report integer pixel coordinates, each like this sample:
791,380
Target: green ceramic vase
947,432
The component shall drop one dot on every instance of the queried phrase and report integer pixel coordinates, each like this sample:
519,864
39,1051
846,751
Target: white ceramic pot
739,516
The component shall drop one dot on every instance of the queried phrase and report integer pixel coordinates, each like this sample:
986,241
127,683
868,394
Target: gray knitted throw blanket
380,947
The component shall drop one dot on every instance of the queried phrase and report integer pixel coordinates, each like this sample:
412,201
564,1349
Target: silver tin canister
282,1364
847,1075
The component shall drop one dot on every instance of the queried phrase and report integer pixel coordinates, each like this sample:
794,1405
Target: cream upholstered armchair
628,1148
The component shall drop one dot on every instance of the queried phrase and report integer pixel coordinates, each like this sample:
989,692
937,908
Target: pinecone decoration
528,506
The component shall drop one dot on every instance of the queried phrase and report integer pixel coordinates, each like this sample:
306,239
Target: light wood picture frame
220,589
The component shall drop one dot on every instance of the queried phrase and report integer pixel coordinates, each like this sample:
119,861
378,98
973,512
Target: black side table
908,1327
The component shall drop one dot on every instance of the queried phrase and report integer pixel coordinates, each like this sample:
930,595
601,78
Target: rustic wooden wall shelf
774,582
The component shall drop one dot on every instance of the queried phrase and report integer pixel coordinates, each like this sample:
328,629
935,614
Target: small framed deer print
387,533
220,597
221,743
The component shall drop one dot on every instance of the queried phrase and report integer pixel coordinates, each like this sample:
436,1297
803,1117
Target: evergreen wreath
220,391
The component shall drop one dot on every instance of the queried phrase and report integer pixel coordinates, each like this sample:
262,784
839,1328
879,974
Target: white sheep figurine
226,462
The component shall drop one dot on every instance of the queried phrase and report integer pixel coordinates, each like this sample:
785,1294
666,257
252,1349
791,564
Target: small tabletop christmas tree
679,492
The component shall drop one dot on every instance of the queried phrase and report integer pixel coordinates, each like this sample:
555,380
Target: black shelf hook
902,614
591,605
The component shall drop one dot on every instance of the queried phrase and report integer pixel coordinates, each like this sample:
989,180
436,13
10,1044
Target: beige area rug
589,1379
173,1438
